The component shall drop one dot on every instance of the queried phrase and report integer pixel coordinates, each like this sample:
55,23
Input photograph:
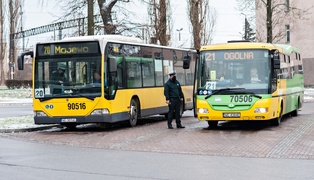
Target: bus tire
277,121
133,113
296,111
212,124
181,108
70,126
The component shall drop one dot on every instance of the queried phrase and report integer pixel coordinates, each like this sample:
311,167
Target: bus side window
148,73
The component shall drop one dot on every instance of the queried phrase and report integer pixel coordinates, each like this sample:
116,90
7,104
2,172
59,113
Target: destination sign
221,55
71,48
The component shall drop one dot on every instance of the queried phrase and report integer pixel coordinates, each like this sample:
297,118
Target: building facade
293,23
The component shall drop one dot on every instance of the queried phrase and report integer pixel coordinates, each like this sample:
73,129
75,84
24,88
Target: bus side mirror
20,62
275,58
20,59
276,63
112,65
186,62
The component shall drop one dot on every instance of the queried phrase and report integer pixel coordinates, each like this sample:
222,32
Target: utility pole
21,14
90,14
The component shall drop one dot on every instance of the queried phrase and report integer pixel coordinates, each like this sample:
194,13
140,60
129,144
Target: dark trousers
174,110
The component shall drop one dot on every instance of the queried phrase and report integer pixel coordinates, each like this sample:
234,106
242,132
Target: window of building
288,33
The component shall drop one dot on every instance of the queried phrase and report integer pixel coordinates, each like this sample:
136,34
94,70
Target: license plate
67,120
231,115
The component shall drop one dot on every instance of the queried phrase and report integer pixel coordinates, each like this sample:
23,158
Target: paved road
14,110
293,139
32,161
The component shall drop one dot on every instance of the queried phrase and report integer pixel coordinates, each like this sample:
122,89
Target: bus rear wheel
133,113
295,112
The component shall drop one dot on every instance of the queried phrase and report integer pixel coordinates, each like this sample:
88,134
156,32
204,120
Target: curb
28,129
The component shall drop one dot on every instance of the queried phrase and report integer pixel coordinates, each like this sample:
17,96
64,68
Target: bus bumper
107,118
220,117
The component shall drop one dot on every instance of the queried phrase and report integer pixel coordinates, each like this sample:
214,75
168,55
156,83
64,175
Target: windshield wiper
250,93
45,99
220,90
66,95
87,97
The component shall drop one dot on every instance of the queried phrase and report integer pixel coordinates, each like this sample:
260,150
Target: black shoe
180,126
170,127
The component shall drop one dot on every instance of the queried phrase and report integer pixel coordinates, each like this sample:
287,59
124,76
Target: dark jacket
173,90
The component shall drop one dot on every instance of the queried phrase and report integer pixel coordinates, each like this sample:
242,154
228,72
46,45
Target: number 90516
76,106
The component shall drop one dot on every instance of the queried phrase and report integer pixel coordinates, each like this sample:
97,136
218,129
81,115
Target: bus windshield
68,76
224,69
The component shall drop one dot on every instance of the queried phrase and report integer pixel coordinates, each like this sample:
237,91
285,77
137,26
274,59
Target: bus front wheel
277,121
71,126
212,124
133,113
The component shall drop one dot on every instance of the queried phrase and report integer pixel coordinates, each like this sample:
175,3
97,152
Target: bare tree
116,17
272,16
14,14
2,46
159,14
106,11
203,20
209,25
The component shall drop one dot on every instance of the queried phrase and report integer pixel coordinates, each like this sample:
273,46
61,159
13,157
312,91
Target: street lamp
179,30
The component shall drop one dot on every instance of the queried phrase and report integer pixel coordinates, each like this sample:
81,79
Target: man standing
174,96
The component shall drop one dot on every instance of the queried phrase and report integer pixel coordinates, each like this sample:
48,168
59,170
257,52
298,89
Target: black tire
277,121
296,111
133,113
212,124
181,108
71,126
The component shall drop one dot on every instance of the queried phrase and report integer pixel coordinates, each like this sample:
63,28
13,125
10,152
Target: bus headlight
100,112
202,110
39,113
261,110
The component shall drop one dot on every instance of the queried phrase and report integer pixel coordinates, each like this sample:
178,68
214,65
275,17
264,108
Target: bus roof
238,45
288,49
284,48
111,37
114,38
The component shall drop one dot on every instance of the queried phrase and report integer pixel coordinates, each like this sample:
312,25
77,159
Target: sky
230,22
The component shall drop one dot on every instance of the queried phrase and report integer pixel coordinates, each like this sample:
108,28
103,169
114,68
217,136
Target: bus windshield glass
68,76
246,69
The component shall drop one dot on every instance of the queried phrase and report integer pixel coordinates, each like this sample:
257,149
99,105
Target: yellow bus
245,81
67,89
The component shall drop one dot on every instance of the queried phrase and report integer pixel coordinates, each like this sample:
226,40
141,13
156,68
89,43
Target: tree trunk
90,12
162,23
2,47
269,21
105,12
